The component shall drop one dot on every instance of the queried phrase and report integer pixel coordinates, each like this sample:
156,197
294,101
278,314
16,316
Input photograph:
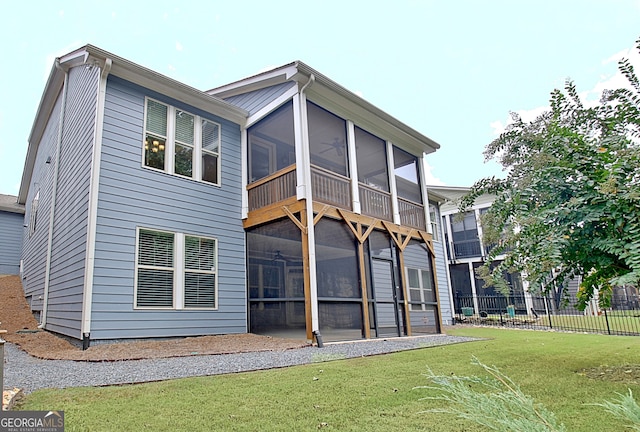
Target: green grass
373,394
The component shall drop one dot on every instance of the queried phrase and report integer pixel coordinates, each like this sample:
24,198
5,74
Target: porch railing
330,188
375,203
269,190
540,313
412,214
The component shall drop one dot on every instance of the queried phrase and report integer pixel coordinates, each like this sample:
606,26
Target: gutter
54,193
92,215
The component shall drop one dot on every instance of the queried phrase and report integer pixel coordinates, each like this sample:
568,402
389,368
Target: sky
453,70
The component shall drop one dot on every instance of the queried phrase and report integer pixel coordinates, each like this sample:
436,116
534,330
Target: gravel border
29,373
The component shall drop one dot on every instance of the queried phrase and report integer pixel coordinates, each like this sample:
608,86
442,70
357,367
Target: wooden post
307,277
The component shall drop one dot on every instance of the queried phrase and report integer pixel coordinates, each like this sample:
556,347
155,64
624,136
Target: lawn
564,371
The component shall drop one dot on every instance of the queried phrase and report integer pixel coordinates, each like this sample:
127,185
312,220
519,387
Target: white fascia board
169,87
379,121
256,82
47,102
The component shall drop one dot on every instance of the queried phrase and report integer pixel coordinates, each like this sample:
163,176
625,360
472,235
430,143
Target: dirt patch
627,374
22,330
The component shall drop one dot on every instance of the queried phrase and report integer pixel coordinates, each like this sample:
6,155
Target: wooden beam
320,214
363,289
294,219
272,212
405,293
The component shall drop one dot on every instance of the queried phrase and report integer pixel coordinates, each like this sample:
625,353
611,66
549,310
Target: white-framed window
175,271
181,143
33,216
421,290
433,215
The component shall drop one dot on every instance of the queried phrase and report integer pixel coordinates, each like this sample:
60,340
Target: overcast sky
452,70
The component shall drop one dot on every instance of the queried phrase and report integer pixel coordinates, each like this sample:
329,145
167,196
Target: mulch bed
22,330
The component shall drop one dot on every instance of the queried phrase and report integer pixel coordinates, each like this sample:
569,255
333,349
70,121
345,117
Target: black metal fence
543,313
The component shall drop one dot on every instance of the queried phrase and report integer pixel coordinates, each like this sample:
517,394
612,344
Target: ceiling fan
279,257
337,144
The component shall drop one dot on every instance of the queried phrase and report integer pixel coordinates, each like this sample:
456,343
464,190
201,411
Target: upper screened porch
346,166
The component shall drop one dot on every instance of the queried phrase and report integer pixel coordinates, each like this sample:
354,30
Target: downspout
92,216
308,195
54,192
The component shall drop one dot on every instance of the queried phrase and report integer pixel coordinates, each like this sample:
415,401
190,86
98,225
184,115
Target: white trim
392,184
92,213
422,169
244,170
303,129
178,275
353,167
303,162
272,106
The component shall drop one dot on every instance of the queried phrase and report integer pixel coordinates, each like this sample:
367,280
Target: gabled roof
9,203
338,100
93,56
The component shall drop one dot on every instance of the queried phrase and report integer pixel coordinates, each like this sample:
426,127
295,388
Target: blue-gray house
11,222
278,204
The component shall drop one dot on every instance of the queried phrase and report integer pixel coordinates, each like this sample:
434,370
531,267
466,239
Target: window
33,217
181,143
433,215
175,271
420,284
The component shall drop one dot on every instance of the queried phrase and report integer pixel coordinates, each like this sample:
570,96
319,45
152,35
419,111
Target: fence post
606,318
548,308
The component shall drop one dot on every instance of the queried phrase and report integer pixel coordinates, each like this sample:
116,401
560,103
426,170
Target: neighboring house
466,251
278,204
11,223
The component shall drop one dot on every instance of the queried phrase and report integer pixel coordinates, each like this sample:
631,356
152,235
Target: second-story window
181,143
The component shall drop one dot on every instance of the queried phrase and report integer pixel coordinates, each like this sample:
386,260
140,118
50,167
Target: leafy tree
570,203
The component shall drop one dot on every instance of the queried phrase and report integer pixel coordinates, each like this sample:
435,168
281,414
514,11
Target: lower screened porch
371,278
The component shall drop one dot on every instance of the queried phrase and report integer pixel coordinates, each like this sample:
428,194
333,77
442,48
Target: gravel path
29,373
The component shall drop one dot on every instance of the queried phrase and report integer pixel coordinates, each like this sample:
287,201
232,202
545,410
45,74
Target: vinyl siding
69,240
10,242
256,100
34,248
131,196
441,273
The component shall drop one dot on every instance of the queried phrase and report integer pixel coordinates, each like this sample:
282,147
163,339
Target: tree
570,203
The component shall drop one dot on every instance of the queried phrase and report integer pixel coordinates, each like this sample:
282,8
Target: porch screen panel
406,174
271,143
372,160
327,140
339,295
275,279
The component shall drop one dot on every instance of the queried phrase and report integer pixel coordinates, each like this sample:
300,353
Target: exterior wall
131,196
10,242
256,100
72,202
34,248
441,269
